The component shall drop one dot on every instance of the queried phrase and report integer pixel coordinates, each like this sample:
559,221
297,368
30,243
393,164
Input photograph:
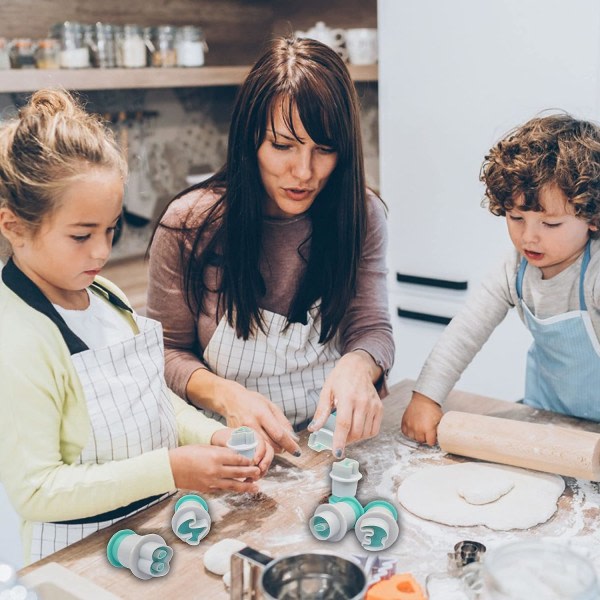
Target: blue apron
563,363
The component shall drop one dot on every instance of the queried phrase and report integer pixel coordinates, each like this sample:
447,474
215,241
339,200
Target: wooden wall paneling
303,14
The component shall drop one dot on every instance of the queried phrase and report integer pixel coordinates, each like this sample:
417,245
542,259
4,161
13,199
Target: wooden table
276,520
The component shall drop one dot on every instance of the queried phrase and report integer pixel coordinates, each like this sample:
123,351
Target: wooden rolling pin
535,446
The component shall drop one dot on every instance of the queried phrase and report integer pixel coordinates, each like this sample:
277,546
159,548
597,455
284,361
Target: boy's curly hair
556,149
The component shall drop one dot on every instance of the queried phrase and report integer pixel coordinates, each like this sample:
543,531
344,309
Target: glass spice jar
163,46
74,51
4,54
102,45
22,54
47,54
131,47
191,46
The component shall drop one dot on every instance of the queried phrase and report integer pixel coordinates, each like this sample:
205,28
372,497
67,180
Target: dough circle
218,557
434,493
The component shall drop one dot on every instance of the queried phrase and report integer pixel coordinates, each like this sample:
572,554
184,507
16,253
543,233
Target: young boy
544,177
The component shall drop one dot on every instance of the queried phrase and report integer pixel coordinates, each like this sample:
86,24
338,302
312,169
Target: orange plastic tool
397,587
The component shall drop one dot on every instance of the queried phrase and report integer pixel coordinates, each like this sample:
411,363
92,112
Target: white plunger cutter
332,521
377,528
344,478
191,521
146,556
243,441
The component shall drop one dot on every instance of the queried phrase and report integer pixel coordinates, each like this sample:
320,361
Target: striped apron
283,366
129,407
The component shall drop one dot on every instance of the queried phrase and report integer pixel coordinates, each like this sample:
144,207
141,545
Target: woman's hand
421,419
350,389
243,407
263,454
206,468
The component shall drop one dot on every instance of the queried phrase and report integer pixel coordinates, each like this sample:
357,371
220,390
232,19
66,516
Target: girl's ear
12,227
593,227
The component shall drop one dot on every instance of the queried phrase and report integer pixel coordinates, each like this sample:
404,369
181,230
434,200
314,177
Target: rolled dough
218,556
453,494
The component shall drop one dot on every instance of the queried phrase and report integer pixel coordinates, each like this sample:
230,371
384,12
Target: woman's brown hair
306,75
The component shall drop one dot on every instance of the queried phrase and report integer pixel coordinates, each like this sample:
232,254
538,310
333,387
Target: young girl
270,278
544,177
89,432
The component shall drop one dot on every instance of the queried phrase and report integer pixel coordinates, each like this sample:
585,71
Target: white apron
283,366
130,413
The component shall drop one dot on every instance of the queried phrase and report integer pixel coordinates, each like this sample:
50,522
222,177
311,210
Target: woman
270,277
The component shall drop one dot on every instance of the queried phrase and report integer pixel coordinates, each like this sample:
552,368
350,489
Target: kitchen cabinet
453,78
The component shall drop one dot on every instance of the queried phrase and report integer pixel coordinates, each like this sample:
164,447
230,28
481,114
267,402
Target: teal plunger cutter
332,521
322,439
243,441
146,556
344,476
377,529
191,521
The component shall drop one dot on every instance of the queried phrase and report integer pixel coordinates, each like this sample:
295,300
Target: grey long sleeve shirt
484,311
366,325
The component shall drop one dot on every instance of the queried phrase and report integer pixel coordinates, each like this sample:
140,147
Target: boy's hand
206,468
421,419
263,455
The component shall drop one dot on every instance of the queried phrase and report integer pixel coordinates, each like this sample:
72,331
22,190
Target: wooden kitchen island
276,520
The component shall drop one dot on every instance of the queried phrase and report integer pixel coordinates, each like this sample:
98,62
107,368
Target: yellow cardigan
44,425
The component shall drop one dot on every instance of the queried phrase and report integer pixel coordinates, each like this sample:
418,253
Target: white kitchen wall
453,78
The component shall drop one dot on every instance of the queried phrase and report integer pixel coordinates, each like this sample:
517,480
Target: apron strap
584,265
31,294
520,275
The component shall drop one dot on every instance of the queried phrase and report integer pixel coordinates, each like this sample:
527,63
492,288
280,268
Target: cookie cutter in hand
323,438
243,441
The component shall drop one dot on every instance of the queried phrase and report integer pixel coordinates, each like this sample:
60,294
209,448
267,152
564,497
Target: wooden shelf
29,80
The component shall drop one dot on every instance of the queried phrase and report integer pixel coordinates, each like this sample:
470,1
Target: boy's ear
12,227
593,227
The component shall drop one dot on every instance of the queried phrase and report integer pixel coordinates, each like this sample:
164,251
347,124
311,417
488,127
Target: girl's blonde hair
52,142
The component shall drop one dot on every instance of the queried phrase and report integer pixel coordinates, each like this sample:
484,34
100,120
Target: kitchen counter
276,520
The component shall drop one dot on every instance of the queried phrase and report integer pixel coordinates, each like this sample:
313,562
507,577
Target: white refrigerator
454,76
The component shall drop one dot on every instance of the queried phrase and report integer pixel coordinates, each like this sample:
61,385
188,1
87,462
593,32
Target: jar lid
23,43
48,43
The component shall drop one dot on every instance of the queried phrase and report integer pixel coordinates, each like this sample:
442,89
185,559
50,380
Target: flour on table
469,494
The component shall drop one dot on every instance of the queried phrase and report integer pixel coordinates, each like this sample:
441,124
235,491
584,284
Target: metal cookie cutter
465,553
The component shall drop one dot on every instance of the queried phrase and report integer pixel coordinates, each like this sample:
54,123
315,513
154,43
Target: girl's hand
349,388
243,407
263,455
206,468
421,419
